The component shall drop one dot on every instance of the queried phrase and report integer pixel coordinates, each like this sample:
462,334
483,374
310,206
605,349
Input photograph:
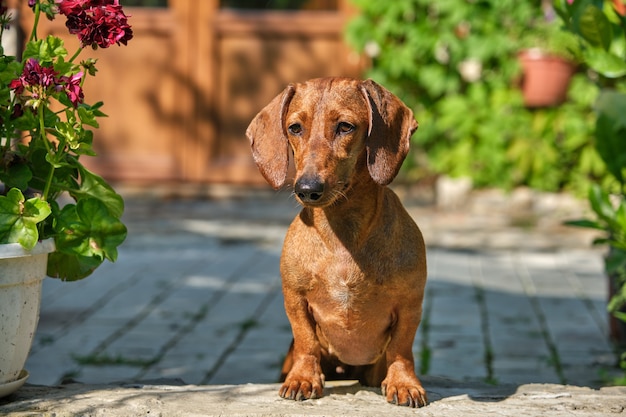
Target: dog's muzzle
309,189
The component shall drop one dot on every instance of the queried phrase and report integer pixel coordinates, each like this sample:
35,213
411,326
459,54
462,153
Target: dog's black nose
309,189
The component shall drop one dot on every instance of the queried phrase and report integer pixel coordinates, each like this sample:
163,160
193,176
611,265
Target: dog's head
334,126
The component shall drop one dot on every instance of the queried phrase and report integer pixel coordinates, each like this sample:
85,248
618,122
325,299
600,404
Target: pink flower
96,22
73,89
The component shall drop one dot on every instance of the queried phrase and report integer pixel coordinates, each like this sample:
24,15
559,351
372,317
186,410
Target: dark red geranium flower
96,22
41,81
69,7
34,75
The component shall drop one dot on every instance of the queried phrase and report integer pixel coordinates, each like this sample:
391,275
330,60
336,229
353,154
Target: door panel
258,55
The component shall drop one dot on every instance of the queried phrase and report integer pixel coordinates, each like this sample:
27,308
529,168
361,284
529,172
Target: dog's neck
351,218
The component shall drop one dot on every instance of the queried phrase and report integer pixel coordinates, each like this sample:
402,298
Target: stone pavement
447,399
513,298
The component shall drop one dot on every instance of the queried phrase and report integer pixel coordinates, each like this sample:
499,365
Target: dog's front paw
404,389
302,388
409,395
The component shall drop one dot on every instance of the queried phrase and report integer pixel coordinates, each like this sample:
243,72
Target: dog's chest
344,292
342,286
331,277
350,311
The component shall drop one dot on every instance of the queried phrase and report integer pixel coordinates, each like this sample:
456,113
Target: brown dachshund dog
353,264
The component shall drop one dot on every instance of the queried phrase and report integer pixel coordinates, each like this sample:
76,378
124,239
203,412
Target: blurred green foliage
455,63
601,29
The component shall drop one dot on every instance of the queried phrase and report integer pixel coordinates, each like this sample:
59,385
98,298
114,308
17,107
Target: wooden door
180,95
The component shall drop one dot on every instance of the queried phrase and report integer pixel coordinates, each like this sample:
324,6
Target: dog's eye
295,129
344,127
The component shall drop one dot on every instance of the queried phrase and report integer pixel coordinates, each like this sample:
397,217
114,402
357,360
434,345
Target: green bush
601,29
474,123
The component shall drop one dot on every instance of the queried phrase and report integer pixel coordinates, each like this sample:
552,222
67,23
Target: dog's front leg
305,379
401,386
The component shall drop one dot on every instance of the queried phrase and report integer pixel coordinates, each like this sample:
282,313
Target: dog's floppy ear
391,124
268,139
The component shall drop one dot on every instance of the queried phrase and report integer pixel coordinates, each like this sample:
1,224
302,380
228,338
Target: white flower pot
21,275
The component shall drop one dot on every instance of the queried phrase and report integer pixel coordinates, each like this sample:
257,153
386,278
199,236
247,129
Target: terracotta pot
546,78
21,275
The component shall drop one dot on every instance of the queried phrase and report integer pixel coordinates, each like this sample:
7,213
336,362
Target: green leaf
65,68
87,229
87,116
95,109
86,234
617,302
86,144
72,133
68,133
618,314
616,261
594,27
604,62
92,185
71,267
56,160
611,131
612,104
45,50
19,218
590,224
620,216
19,176
601,204
601,241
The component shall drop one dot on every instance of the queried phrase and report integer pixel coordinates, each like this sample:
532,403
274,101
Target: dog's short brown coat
353,264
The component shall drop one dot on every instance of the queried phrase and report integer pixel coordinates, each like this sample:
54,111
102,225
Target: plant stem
46,190
76,54
42,136
42,127
33,34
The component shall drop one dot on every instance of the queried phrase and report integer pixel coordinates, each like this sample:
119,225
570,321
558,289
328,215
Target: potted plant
601,28
53,211
548,63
